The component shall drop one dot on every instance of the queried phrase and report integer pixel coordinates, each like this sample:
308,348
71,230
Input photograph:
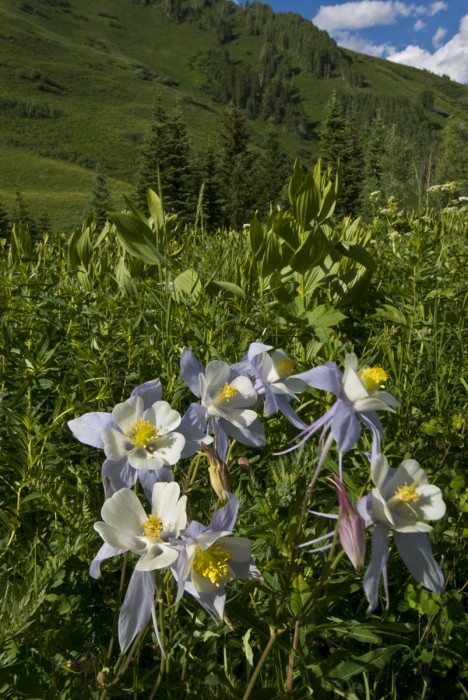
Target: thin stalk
183,677
259,666
292,661
126,664
117,609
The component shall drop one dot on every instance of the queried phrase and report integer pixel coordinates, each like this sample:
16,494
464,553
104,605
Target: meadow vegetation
88,317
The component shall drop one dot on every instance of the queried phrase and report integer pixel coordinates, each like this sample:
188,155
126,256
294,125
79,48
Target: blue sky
430,34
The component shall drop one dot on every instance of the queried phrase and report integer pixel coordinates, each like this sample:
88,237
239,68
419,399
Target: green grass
82,64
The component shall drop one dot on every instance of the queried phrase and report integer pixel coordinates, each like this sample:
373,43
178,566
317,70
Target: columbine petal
289,413
240,418
431,504
379,470
106,552
207,538
416,552
128,412
378,562
116,445
190,369
158,556
408,472
372,403
240,547
246,394
136,608
150,392
217,375
252,436
149,477
87,429
125,512
345,427
225,518
353,387
118,539
257,349
326,377
117,475
194,429
163,417
380,510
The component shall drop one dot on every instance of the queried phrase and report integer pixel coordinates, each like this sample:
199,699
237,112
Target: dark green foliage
165,162
373,154
15,108
100,200
209,173
5,225
426,98
21,215
334,136
452,160
270,173
236,162
154,155
44,224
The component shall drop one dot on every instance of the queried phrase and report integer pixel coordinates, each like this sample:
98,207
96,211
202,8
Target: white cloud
419,25
355,42
366,13
450,59
437,7
438,37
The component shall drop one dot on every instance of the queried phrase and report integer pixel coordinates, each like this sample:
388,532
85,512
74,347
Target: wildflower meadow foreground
234,465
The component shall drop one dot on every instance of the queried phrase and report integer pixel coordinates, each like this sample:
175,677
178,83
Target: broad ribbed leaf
135,237
357,253
187,283
285,229
272,255
311,253
216,286
256,235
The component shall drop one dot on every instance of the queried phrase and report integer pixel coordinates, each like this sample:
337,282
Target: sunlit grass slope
72,96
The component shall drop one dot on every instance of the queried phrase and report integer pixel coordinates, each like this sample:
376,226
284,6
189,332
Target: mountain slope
78,79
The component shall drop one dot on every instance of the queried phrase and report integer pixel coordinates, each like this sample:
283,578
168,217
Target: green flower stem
126,663
273,635
183,678
118,603
292,661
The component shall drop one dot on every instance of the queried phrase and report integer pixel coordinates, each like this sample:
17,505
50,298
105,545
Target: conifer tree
212,208
5,224
21,214
43,223
397,168
452,160
100,200
334,136
373,155
176,177
236,170
353,169
154,155
271,172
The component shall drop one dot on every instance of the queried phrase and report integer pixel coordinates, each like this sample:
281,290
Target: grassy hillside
78,79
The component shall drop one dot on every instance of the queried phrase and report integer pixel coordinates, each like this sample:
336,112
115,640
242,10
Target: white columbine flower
126,526
145,438
227,397
401,501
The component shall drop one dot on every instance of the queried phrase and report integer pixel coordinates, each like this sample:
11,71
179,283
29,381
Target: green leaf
390,313
256,235
370,662
187,283
135,237
216,286
357,253
306,203
271,255
296,180
134,211
156,209
324,316
311,253
284,229
328,203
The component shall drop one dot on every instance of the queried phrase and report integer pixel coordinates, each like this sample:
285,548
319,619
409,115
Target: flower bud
244,463
102,676
219,474
351,528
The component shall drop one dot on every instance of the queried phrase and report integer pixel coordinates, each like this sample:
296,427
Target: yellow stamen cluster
407,494
373,378
284,367
142,432
224,395
212,563
152,527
